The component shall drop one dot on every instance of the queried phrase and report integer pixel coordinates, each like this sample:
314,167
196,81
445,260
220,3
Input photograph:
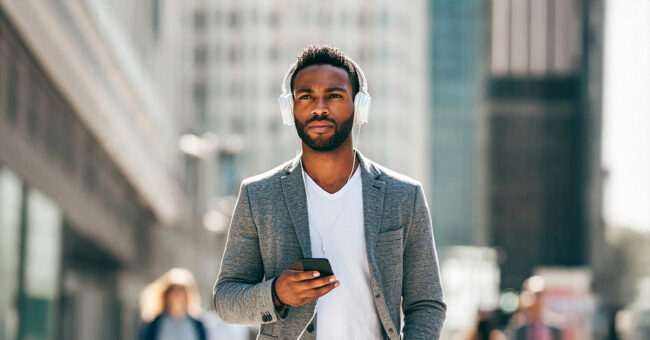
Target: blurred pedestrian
529,322
170,308
486,328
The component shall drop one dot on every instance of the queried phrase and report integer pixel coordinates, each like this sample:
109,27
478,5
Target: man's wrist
276,300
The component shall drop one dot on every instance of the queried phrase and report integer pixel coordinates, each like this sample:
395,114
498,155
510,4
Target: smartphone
317,264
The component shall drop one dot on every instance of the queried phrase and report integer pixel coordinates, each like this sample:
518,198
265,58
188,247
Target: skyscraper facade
542,134
458,59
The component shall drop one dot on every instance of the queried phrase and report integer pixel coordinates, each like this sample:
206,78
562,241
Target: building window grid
543,44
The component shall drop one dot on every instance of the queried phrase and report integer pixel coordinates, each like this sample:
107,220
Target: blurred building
470,277
459,30
633,322
93,204
544,175
237,52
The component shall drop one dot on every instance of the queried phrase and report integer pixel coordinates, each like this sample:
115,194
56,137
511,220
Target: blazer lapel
373,204
293,189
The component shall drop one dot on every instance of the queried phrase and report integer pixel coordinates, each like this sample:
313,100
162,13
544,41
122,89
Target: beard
324,144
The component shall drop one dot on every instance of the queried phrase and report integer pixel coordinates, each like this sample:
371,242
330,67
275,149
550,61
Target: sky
626,114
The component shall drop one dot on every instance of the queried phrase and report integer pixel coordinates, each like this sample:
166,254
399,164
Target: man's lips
320,127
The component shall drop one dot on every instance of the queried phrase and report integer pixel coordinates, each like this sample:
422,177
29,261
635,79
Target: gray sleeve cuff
269,313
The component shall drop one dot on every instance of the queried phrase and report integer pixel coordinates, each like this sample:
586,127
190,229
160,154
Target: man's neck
332,169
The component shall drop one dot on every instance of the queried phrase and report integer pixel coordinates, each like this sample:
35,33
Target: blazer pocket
394,233
266,337
389,254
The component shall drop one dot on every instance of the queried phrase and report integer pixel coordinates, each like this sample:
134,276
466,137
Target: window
11,93
200,92
217,53
228,173
199,20
200,55
33,116
201,100
90,178
68,145
43,246
273,19
42,262
273,53
155,18
385,17
11,196
254,16
235,19
217,17
31,227
53,132
235,54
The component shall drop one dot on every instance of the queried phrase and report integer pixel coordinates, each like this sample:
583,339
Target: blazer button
310,328
377,296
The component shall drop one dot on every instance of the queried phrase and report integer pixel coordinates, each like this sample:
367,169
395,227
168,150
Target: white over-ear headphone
361,99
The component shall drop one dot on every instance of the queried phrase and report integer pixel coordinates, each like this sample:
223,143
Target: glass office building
458,44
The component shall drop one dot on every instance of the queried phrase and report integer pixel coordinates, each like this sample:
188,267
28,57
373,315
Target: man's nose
320,107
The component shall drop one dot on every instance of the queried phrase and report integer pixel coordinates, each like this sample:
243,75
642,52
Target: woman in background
171,309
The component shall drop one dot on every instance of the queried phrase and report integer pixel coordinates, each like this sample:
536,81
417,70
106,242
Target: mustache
321,118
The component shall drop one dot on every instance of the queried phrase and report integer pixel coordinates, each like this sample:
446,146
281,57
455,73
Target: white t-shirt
348,311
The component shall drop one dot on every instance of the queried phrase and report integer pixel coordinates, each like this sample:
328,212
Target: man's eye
334,95
305,96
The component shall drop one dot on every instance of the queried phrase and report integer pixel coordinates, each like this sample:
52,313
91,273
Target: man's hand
295,287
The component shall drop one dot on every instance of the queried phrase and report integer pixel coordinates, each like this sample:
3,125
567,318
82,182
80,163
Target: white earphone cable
308,323
355,140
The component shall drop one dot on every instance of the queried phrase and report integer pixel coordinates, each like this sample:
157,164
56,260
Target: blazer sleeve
422,299
242,294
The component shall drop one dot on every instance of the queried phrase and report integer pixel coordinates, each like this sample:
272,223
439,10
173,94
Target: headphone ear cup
361,108
286,108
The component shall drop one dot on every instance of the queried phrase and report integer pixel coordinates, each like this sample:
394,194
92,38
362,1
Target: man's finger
302,276
307,285
325,289
320,281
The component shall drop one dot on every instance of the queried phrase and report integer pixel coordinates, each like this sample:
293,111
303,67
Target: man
372,224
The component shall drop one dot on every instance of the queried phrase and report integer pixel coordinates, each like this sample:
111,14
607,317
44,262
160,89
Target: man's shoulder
393,177
269,175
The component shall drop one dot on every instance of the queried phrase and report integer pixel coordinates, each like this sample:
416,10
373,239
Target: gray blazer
269,231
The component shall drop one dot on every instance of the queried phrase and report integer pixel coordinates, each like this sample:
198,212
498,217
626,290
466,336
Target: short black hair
326,55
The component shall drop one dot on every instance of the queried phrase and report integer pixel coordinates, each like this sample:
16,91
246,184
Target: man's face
323,106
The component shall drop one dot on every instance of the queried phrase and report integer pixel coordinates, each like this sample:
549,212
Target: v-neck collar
325,193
